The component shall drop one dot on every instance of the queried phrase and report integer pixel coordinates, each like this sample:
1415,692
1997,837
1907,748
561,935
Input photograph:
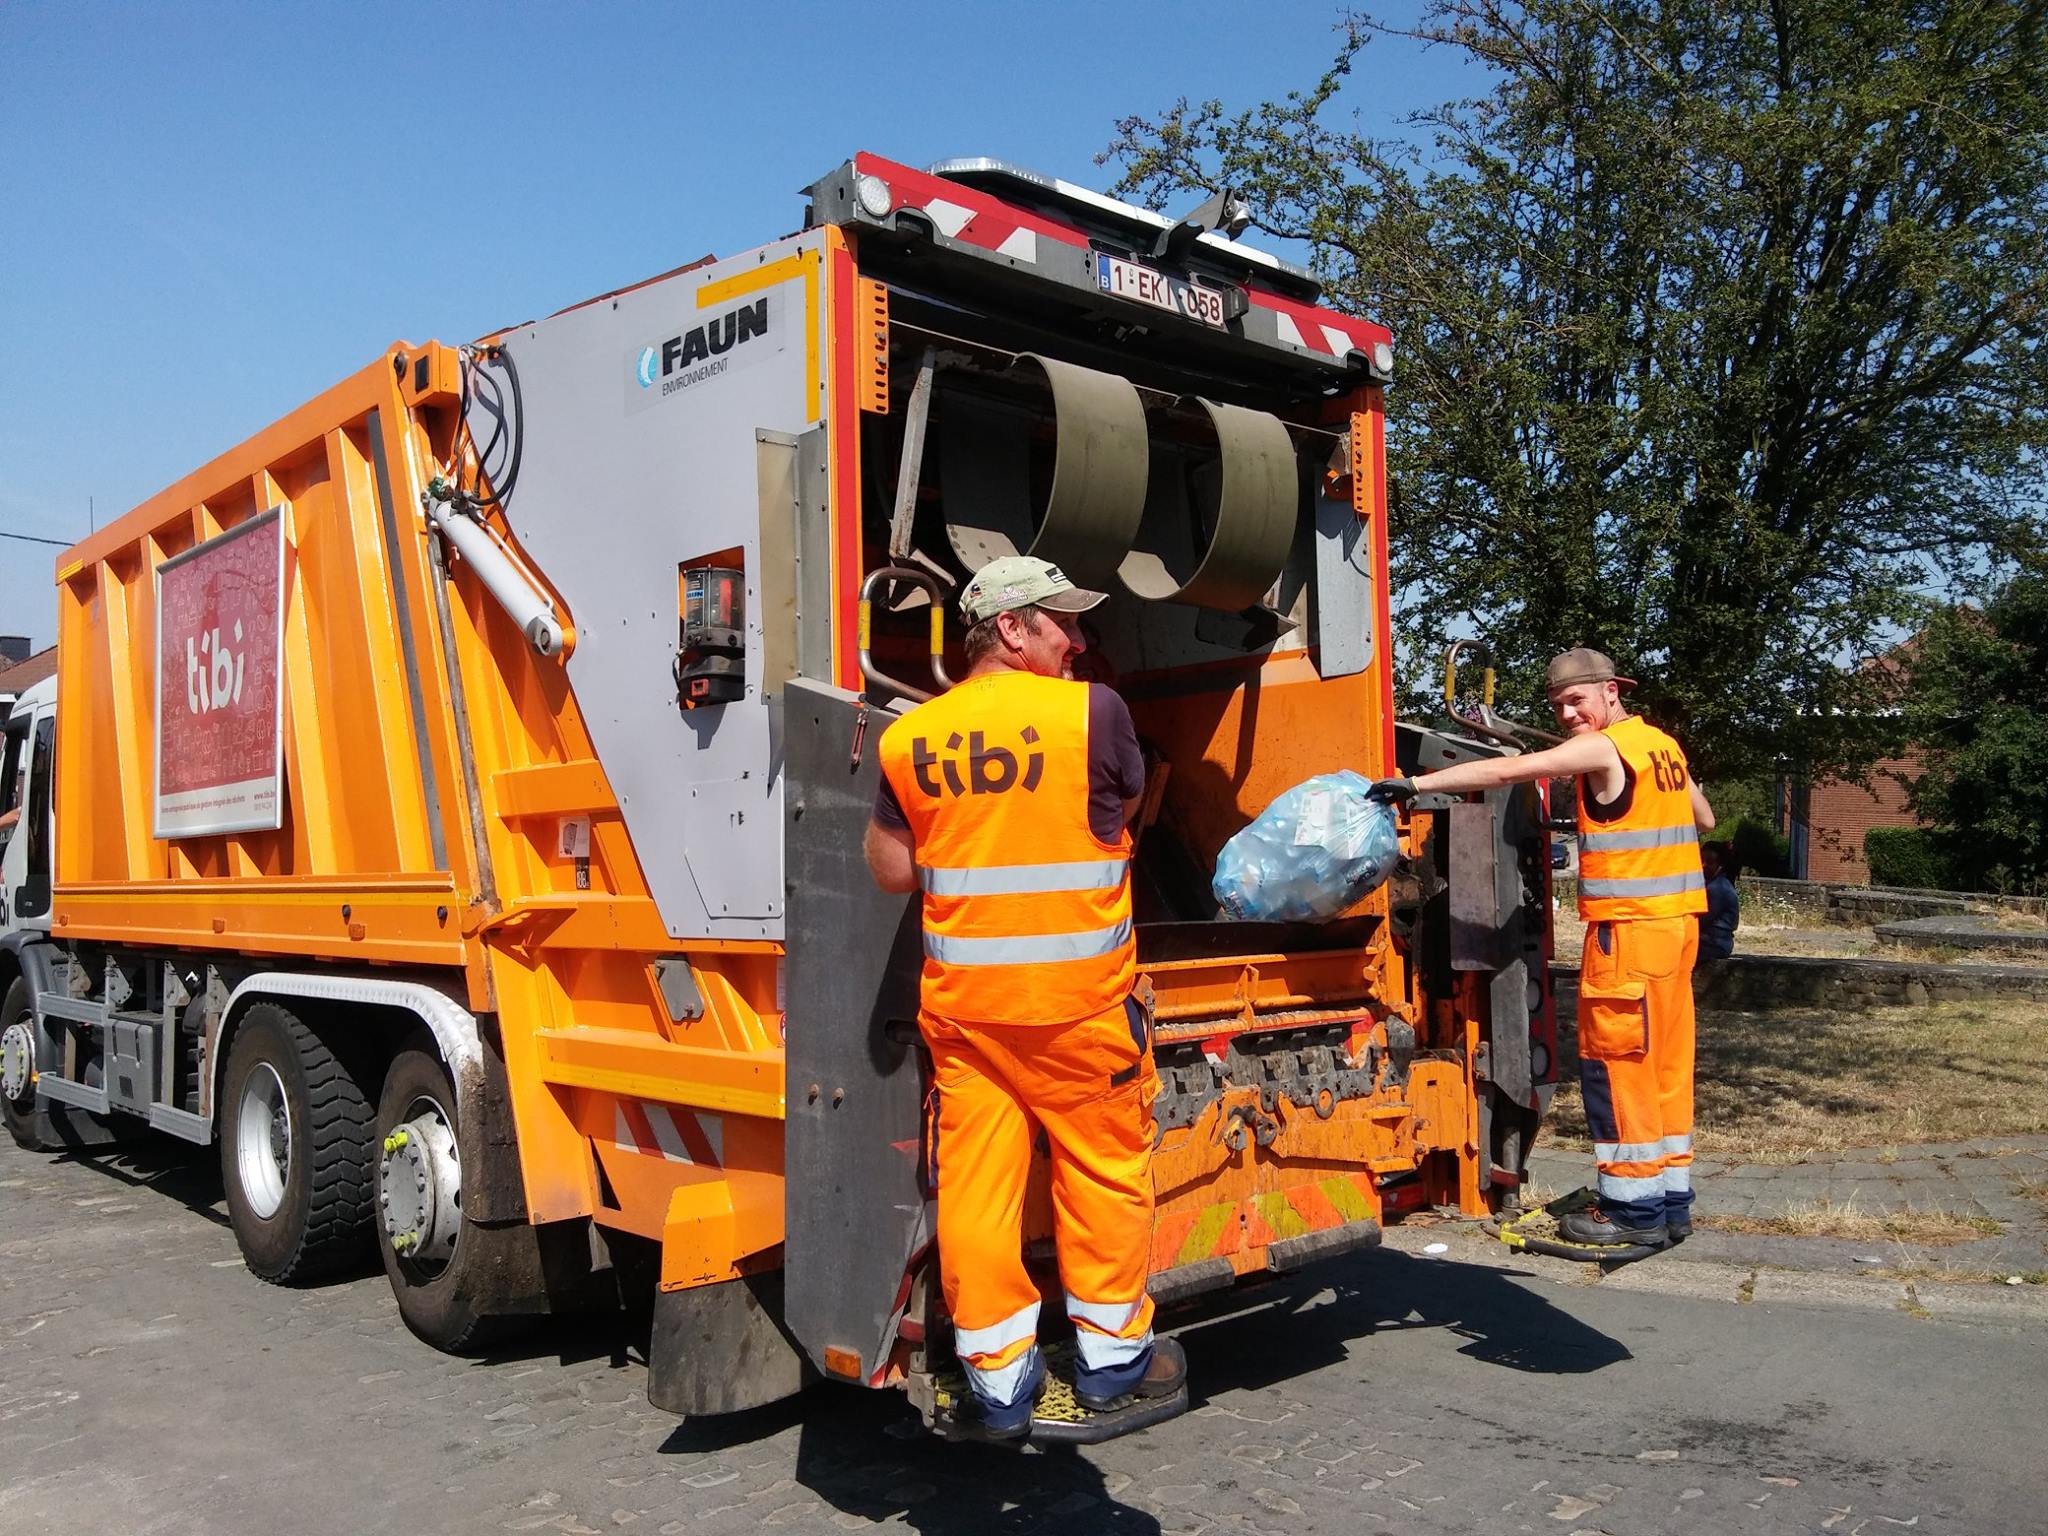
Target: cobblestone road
148,1384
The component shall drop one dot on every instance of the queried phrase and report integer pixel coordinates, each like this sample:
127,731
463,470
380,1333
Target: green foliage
1735,800
1911,857
1719,333
1979,686
1758,849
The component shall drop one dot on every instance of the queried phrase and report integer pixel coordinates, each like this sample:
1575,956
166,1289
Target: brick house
18,671
1825,822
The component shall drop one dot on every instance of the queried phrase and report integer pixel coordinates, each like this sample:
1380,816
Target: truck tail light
711,647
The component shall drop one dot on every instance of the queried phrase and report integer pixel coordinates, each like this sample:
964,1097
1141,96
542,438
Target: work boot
1677,1223
1165,1373
1598,1229
1013,1420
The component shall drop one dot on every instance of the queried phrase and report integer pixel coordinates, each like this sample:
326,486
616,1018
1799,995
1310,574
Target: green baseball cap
1021,581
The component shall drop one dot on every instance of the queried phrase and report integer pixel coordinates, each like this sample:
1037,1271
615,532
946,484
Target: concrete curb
1740,1284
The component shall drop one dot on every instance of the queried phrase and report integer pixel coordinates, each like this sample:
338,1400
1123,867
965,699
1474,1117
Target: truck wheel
18,1068
296,1151
441,1265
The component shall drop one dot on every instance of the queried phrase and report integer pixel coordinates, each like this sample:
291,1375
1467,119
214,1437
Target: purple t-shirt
1116,768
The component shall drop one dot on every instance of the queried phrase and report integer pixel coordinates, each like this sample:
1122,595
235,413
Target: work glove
1392,791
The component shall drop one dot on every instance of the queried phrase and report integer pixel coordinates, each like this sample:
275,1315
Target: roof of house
24,673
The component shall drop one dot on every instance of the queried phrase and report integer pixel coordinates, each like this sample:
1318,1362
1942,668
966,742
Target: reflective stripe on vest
1645,861
989,774
1642,885
1646,837
1024,879
1028,949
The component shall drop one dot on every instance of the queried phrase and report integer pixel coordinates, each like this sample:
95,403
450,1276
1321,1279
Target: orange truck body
459,820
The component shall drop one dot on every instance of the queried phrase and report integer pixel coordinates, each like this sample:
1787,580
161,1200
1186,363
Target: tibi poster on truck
219,683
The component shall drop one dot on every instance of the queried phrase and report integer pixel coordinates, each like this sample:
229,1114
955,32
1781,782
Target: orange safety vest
1027,914
1640,857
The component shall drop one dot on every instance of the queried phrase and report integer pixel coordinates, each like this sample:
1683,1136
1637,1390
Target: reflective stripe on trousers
1641,1151
1027,949
1103,1331
1643,885
1024,879
1620,1191
998,1358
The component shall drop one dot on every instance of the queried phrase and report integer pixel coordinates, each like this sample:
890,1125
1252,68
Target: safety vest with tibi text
1027,914
1640,856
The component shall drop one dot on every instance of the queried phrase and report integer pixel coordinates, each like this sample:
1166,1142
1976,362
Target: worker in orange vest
1006,801
1640,814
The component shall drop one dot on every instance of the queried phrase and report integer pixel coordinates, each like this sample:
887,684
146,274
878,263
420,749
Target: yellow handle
867,624
938,630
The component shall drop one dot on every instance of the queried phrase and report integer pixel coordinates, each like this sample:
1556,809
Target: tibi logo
213,671
990,770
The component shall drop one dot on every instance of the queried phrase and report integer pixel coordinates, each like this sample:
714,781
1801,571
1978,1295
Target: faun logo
670,362
990,770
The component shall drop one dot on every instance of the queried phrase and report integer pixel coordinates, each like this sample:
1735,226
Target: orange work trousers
1636,1063
1088,1085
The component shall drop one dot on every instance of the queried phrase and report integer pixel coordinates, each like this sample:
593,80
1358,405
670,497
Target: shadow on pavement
619,1338
1311,1321
181,1170
865,1455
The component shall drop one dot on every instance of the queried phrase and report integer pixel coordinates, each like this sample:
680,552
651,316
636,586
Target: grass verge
1782,1086
1823,1218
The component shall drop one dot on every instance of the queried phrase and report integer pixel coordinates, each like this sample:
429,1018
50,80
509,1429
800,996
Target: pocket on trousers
1139,1023
1655,949
1614,1021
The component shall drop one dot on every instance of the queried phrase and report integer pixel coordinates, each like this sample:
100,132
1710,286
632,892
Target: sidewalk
2001,1182
1999,1186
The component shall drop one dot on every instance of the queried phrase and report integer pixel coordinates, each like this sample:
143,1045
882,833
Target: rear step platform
1536,1232
1060,1418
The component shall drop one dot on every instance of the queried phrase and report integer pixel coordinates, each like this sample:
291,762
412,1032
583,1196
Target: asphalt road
148,1384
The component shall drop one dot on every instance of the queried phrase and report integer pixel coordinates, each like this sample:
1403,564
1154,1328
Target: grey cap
1023,581
1581,665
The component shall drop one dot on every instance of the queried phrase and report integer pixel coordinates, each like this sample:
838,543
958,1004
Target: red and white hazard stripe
675,1135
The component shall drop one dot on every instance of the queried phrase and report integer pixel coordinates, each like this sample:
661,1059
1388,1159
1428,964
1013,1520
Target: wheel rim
18,1063
263,1140
419,1189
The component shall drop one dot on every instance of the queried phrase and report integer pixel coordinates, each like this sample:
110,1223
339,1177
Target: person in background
1641,891
1724,907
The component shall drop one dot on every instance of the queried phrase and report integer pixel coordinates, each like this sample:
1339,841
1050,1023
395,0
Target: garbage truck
450,800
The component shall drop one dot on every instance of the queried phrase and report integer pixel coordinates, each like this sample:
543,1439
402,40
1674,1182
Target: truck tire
449,1273
18,1108
296,1151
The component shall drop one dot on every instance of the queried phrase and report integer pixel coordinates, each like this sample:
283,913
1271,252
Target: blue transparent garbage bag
1315,852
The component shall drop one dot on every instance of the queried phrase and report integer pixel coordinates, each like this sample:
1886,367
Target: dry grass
1954,1272
1823,1218
1953,954
1781,1086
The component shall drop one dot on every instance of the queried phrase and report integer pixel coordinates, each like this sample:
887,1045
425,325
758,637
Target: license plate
1128,280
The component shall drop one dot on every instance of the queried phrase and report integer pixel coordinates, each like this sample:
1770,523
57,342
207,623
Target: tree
1979,684
1719,330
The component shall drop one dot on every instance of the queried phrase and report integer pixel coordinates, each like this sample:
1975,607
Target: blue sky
211,212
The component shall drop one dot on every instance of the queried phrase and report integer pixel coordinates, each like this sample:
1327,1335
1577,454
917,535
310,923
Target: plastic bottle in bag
1315,852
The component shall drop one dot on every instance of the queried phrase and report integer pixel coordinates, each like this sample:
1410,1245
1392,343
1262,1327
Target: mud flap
1060,1417
1536,1232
